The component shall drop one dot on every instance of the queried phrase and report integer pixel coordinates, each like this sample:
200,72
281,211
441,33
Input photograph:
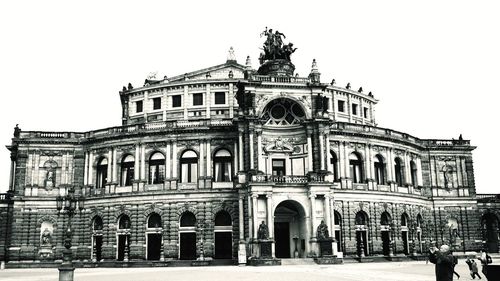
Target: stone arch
224,207
98,158
149,153
47,218
122,210
186,208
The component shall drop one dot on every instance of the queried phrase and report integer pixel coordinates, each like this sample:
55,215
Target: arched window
189,167
379,164
355,166
404,219
361,218
156,168
413,168
398,170
385,219
222,166
334,163
102,173
337,227
97,224
127,175
188,219
223,219
283,112
154,221
124,222
419,221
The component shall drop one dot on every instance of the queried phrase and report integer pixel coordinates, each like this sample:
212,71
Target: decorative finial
460,138
348,86
230,55
130,87
124,89
314,66
248,63
333,82
360,90
208,75
370,94
231,75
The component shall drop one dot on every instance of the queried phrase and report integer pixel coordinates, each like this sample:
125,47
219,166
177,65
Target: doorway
361,238
98,247
154,246
282,237
223,245
489,224
122,241
187,246
386,242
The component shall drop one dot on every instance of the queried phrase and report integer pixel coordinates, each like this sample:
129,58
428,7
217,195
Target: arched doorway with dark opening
385,233
154,237
290,230
122,238
187,236
223,233
97,227
490,231
361,226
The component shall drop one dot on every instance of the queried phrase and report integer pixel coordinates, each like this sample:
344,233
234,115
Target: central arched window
379,164
189,167
188,220
124,222
355,166
102,173
385,218
283,112
127,174
398,170
222,166
154,221
156,168
97,223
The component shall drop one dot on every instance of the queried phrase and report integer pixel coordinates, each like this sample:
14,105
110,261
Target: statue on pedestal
322,231
46,239
263,232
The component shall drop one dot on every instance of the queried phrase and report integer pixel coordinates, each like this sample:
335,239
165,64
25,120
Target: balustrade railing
288,179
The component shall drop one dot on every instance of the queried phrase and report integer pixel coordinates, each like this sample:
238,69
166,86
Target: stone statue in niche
322,231
46,238
50,178
263,232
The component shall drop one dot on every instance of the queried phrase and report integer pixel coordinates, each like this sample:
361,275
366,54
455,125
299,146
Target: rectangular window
156,103
340,105
365,112
354,109
198,99
138,106
278,167
177,101
220,98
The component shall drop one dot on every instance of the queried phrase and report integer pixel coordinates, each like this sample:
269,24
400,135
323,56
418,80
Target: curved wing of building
229,162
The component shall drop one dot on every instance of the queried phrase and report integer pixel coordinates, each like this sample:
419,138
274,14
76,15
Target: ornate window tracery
283,112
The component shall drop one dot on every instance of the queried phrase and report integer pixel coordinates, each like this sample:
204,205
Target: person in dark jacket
472,268
444,262
485,260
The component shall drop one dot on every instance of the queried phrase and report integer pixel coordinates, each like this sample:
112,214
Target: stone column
328,216
312,199
143,163
174,165
136,163
407,168
260,160
270,217
321,151
110,166
255,214
85,169
91,167
251,150
230,100
185,102
208,100
115,168
250,217
327,151
240,151
168,165
203,158
235,159
346,164
309,153
241,218
419,171
209,159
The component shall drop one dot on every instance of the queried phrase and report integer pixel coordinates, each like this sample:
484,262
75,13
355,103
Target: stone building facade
203,159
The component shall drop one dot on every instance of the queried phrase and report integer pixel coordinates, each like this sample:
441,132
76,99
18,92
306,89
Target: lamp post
69,203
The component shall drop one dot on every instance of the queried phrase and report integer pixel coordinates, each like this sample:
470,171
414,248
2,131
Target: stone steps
302,261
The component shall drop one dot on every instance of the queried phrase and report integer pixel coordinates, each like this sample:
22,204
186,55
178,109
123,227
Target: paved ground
387,271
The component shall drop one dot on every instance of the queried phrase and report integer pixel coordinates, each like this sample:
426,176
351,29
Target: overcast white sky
434,65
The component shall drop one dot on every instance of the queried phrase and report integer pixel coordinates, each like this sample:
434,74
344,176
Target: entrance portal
386,240
122,240
188,246
289,228
223,245
490,232
154,246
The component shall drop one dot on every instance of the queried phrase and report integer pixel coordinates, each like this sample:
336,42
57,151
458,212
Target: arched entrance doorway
154,237
223,235
97,227
404,233
289,230
490,229
385,228
361,225
187,237
122,234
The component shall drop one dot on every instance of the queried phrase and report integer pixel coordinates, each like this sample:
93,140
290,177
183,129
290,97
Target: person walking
455,262
444,262
472,268
485,260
